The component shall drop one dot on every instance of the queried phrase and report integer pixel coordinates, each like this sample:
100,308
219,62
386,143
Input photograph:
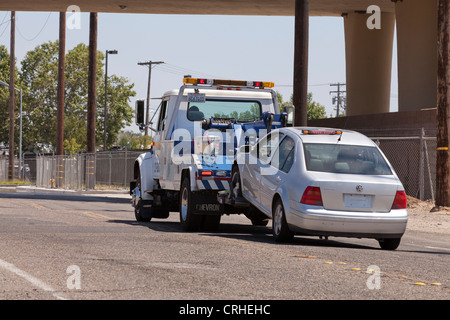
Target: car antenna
340,136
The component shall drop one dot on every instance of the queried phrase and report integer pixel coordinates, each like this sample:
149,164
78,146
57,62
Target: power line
37,35
6,27
174,69
4,22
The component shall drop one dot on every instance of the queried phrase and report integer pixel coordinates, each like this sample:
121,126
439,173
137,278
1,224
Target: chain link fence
414,160
85,171
412,153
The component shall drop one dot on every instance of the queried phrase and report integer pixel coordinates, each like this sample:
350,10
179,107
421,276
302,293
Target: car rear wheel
389,244
280,229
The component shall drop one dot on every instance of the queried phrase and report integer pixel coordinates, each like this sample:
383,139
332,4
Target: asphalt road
55,247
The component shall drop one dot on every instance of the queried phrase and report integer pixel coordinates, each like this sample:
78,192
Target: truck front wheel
139,206
188,219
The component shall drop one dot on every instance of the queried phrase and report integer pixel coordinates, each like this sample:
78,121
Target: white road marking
437,248
33,280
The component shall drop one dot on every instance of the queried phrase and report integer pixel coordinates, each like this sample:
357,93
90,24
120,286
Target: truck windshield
243,111
349,159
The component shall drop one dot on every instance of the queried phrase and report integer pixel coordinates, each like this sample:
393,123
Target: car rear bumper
318,221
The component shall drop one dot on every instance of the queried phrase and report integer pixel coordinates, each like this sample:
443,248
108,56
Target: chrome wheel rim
277,219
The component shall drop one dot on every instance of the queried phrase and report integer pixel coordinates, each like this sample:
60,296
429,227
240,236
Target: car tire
389,244
188,219
280,228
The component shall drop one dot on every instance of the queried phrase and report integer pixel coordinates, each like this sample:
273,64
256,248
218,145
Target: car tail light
400,200
312,196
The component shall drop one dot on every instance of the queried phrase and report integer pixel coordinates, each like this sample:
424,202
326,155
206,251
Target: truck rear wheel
188,219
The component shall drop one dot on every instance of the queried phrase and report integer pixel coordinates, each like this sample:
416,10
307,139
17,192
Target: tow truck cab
198,129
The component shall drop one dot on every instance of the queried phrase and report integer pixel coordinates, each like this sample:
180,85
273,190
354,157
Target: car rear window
337,158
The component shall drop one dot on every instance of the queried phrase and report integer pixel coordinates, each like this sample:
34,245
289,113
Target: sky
256,48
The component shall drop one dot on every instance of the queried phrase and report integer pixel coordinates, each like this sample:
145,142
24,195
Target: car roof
347,137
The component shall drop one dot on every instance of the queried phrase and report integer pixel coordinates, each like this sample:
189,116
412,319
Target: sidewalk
32,189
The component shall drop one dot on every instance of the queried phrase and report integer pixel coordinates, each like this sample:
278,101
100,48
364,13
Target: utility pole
443,107
60,106
338,98
149,65
92,83
301,42
11,97
92,102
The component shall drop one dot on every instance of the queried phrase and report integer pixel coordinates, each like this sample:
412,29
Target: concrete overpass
421,57
219,7
368,51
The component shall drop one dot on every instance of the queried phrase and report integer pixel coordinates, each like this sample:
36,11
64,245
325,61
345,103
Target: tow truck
198,130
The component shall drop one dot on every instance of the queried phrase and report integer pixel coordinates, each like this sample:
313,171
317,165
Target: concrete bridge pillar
417,54
368,63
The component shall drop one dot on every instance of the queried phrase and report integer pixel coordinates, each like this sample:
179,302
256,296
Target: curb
120,194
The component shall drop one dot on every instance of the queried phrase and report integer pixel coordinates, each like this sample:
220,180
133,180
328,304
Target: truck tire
188,219
211,223
138,210
257,217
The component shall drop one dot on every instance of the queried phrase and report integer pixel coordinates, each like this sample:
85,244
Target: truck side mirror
290,110
140,112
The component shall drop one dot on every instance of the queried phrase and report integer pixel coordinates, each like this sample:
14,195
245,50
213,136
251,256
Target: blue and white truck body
195,134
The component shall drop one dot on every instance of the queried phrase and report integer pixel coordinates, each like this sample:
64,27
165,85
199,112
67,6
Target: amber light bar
222,82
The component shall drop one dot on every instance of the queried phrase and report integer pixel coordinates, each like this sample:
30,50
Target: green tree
39,75
314,109
133,141
4,100
4,95
71,146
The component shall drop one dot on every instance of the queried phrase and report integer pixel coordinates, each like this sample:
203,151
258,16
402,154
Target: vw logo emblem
359,188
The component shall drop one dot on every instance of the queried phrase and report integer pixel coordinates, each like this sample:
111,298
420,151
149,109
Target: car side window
283,157
267,146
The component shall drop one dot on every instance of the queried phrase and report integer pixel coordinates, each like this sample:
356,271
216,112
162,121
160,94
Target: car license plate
357,201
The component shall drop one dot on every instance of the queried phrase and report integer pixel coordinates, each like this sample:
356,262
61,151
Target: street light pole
106,96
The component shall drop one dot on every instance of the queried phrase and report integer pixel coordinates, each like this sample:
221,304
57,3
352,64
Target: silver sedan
322,182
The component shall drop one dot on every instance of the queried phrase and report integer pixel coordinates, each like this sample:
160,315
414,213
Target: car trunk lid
358,192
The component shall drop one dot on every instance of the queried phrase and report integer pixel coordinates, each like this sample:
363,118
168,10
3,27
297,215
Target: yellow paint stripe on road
90,214
37,206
